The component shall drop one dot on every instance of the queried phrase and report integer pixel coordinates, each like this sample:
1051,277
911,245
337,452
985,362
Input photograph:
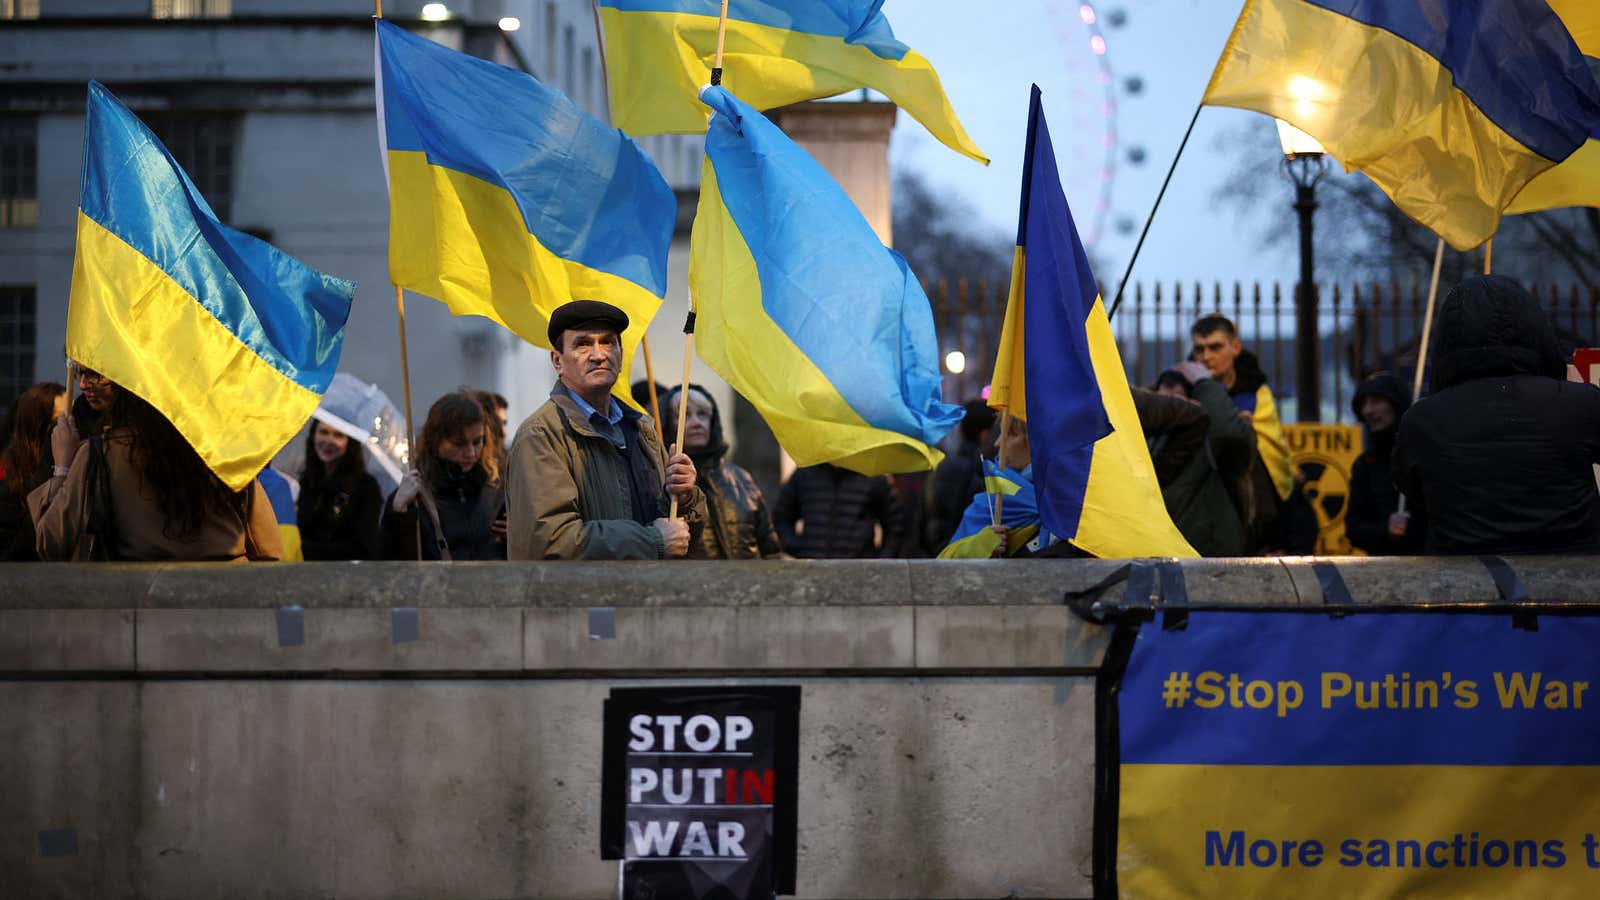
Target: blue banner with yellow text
1376,755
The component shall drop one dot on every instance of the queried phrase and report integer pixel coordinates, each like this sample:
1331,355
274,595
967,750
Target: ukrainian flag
1450,106
1019,512
1058,369
802,309
659,53
1270,442
1575,182
232,340
281,494
506,200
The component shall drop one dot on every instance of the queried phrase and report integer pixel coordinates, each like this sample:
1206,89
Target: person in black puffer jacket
840,511
1500,457
1373,521
738,524
463,484
340,504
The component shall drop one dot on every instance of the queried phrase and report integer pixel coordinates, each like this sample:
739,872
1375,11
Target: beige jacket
567,490
60,518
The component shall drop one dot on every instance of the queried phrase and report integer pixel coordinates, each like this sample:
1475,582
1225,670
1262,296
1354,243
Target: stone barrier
398,730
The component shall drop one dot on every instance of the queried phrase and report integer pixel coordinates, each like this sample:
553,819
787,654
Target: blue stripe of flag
287,313
1513,58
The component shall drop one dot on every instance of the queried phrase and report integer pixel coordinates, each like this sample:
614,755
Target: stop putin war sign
698,790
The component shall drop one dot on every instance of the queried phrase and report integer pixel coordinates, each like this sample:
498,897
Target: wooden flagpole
650,379
644,341
1000,460
1427,332
1488,256
405,372
688,323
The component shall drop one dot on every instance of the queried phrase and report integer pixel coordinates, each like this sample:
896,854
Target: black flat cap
585,312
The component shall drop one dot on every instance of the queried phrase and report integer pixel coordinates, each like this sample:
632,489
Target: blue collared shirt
608,424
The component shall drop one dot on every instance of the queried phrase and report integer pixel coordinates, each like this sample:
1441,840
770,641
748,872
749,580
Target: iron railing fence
1362,328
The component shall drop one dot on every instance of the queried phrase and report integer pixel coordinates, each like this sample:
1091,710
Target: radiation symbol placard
1323,455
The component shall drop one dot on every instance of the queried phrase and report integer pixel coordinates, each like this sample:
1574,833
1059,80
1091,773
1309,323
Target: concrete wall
946,732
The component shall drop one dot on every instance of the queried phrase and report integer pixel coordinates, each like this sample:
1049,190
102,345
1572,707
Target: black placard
698,791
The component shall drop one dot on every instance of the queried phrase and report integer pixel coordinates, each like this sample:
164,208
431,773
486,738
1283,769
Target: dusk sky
989,54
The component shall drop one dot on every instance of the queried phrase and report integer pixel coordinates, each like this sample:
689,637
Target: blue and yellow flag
659,53
506,200
228,337
1019,512
1575,182
802,309
281,494
1270,442
1058,369
1450,106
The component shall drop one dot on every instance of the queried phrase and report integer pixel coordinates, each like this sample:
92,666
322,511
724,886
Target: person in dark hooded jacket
1373,521
1499,457
838,513
1209,496
738,525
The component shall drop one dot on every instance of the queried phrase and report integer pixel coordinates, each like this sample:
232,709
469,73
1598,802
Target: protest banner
1324,455
698,791
1387,753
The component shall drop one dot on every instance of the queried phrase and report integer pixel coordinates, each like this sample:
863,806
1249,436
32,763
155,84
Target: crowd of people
1497,459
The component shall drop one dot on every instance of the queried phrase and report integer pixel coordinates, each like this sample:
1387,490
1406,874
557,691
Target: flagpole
688,322
1488,255
1427,331
650,379
405,366
1000,461
1152,217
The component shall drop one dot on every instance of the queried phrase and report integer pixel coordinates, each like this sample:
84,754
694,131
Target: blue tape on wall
58,842
291,626
1334,591
404,625
602,623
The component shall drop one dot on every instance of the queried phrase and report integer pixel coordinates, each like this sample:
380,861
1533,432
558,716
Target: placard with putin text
1415,754
698,791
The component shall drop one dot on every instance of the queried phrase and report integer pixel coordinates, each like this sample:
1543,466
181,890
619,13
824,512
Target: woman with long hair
138,491
340,504
463,493
25,464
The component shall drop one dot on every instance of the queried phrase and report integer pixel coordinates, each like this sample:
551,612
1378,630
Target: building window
19,171
569,80
17,324
203,144
19,9
548,64
191,9
588,79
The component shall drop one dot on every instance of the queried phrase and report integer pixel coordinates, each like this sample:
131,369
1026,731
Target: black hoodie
1500,458
1373,496
738,524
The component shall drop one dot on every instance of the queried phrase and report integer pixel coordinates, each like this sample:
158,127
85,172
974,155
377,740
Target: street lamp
1305,162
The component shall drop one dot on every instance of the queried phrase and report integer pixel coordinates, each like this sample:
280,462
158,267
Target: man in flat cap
587,477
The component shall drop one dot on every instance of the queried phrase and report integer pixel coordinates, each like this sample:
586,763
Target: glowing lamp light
1086,13
510,23
1307,93
955,362
1098,45
1297,143
1303,88
435,12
